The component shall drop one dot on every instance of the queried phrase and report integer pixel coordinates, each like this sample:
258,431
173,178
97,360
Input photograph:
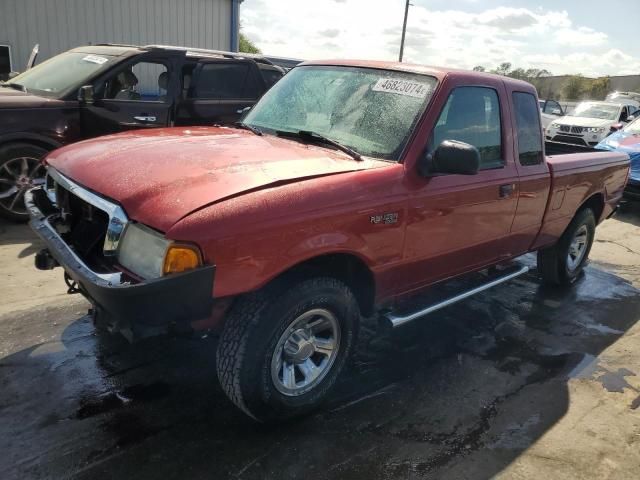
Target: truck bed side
575,179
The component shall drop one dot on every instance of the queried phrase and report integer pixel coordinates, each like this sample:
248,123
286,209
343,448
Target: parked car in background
101,89
627,140
632,98
550,110
589,123
357,185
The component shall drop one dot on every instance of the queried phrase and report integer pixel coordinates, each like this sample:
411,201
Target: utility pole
404,30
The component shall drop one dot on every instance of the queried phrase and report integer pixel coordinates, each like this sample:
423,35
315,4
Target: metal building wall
58,25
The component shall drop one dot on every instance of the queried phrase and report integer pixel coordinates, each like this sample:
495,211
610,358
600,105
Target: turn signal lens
180,258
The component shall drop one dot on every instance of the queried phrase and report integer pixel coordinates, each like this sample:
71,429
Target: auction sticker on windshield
401,87
95,59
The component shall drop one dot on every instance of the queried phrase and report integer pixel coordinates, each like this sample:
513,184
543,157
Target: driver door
134,96
459,223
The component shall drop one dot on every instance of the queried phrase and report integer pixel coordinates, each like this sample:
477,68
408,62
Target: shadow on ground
458,395
12,233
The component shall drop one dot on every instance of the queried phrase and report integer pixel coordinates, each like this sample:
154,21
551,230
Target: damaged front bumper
137,310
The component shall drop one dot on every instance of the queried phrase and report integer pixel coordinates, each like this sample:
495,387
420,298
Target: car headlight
148,254
594,129
555,125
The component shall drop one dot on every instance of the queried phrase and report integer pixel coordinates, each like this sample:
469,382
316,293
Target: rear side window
226,81
472,115
528,129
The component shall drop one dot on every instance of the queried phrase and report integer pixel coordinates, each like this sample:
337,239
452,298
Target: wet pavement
481,389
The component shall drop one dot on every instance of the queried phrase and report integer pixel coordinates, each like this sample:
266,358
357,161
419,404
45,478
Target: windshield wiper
15,86
316,137
246,126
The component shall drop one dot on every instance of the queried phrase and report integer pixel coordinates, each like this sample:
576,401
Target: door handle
507,190
142,118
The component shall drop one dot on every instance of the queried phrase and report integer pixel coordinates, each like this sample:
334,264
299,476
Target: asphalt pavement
518,382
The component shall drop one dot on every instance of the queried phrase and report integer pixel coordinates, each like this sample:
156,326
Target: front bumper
139,310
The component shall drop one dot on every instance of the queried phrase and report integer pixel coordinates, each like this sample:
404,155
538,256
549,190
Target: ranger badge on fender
384,218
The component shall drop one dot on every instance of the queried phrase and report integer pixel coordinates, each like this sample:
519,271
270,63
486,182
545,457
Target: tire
247,363
555,265
20,169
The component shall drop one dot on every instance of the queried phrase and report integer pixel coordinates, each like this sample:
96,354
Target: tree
479,68
599,88
247,46
503,69
573,87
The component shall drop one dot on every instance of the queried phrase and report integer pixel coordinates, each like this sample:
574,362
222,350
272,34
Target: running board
398,320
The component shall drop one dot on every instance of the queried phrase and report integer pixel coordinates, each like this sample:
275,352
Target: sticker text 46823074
401,87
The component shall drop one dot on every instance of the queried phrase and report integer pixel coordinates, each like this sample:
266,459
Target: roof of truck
438,72
126,50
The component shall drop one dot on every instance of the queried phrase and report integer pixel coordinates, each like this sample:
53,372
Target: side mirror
631,118
557,112
451,158
85,95
617,126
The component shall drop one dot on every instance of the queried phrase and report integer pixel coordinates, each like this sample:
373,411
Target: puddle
589,368
615,381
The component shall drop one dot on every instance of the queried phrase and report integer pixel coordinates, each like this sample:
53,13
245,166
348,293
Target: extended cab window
472,115
528,128
226,81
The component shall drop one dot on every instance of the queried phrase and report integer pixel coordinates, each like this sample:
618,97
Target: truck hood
10,98
159,176
585,122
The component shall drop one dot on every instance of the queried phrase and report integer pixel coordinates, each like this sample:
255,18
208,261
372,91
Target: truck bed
579,174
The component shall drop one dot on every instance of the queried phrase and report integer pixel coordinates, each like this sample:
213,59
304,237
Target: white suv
589,123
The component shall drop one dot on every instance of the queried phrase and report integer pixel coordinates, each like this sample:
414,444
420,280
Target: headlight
555,125
148,254
594,129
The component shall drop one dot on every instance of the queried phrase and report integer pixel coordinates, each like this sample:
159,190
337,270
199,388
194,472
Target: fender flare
29,137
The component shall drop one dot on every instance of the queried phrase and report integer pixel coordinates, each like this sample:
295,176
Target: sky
586,37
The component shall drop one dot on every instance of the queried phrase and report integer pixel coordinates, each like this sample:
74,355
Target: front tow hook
44,260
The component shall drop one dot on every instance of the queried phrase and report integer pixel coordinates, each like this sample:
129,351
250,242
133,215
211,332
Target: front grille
84,228
565,128
577,130
569,139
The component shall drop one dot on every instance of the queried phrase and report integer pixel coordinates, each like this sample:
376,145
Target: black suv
101,89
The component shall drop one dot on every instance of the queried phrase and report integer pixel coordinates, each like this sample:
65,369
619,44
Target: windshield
369,110
596,110
64,71
633,127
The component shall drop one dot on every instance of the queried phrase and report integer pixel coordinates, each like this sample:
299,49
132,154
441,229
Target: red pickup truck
348,188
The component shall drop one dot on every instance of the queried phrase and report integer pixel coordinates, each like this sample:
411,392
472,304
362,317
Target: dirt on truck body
350,187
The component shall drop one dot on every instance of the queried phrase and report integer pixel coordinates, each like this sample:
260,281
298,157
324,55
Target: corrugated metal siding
58,25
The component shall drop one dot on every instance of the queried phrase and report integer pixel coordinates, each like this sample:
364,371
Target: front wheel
20,170
281,351
563,263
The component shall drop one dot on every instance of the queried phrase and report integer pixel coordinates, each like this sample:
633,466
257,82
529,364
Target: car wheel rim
305,352
16,177
577,248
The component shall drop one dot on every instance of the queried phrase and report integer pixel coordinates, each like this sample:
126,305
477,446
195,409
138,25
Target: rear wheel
281,351
563,263
20,170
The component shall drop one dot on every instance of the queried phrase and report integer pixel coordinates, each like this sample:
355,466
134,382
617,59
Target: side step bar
398,320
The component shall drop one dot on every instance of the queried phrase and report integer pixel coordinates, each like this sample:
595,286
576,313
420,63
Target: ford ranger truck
350,187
